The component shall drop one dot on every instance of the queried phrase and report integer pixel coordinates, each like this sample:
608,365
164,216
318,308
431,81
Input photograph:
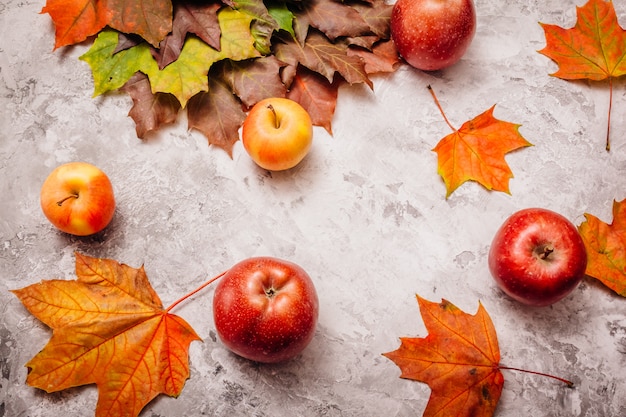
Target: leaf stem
432,93
570,384
197,290
608,127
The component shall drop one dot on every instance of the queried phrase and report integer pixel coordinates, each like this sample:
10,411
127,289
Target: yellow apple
277,133
77,198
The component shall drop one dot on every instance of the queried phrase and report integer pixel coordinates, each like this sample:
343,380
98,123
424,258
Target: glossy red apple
432,34
537,257
277,133
77,198
265,309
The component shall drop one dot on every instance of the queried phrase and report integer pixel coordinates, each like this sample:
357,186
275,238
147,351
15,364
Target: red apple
265,309
537,257
77,198
277,133
432,34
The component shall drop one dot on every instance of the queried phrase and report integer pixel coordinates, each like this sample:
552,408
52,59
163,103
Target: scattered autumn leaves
110,328
215,60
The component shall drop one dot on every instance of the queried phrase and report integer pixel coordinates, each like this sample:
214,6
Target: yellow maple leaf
109,329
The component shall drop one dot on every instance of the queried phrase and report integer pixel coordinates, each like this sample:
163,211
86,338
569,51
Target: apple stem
197,290
276,121
432,93
570,384
545,251
270,292
60,202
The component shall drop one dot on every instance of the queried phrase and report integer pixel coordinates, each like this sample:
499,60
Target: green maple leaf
187,76
263,23
112,70
282,15
184,77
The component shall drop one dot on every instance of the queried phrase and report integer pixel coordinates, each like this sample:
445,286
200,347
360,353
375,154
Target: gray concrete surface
365,214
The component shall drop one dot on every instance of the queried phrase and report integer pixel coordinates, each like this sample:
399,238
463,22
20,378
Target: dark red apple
432,34
265,309
537,257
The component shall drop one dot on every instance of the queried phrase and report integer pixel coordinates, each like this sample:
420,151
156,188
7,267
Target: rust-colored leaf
253,80
109,329
316,95
217,114
320,55
476,151
594,49
333,18
606,248
382,58
150,111
150,19
459,360
189,17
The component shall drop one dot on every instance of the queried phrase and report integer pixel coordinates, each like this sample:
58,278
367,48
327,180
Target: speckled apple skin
433,34
523,275
260,327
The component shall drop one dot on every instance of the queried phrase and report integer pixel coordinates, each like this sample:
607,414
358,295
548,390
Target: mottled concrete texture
365,214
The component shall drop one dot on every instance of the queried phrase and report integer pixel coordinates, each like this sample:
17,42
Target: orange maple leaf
76,20
606,248
594,49
459,360
476,152
109,328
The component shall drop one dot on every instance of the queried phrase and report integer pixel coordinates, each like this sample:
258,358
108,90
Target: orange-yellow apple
77,198
277,133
